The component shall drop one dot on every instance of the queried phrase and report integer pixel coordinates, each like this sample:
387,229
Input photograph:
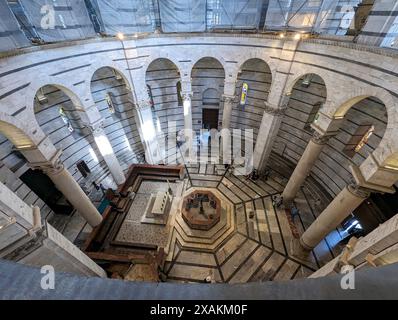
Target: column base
287,203
304,245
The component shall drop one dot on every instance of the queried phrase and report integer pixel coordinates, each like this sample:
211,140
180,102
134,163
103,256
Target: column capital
275,111
97,127
358,191
187,95
53,166
319,138
360,180
229,98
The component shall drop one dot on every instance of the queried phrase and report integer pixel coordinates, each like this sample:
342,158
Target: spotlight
281,35
297,36
120,35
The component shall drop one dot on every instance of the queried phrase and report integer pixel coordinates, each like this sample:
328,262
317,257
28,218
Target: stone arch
113,98
359,133
16,132
77,103
60,84
386,153
24,135
361,93
270,65
207,72
157,58
292,82
253,87
162,76
121,70
68,130
77,106
220,60
306,95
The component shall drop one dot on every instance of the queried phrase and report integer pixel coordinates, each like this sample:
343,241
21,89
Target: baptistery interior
245,142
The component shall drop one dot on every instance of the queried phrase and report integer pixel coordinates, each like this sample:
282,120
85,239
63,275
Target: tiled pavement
262,246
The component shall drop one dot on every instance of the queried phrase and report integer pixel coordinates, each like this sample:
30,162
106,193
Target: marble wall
348,71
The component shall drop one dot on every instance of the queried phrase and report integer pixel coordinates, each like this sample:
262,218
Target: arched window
149,89
179,96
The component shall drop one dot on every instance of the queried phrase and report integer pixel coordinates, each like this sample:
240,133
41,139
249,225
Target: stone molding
187,95
358,191
280,111
96,128
52,167
229,98
319,138
35,242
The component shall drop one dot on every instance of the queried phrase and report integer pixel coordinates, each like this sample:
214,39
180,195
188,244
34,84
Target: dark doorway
210,118
45,189
375,210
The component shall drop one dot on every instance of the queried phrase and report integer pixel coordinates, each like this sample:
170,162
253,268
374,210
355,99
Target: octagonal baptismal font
201,210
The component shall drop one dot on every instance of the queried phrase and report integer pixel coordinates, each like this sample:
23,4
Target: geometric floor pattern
261,245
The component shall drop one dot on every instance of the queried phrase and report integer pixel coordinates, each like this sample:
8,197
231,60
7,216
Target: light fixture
281,35
297,36
41,97
120,35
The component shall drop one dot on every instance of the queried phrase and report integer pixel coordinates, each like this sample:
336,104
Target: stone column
65,183
229,99
227,110
107,153
304,166
341,206
187,105
188,130
147,131
269,126
275,105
